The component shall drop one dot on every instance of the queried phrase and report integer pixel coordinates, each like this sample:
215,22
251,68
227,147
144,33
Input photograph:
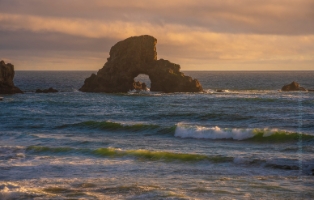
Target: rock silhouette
49,90
134,56
294,86
6,79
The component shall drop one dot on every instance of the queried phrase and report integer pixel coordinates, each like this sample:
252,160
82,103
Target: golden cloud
178,43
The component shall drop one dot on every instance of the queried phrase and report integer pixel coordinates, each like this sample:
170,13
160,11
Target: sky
197,35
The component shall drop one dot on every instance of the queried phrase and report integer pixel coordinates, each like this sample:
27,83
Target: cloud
25,40
225,46
284,17
199,34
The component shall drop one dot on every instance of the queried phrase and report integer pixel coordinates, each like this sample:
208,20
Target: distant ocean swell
116,126
182,130
202,117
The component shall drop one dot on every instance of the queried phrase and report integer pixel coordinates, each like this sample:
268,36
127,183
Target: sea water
251,141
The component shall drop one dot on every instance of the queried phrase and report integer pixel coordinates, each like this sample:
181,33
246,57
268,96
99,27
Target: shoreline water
238,144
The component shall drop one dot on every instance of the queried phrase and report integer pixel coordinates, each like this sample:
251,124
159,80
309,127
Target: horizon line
180,70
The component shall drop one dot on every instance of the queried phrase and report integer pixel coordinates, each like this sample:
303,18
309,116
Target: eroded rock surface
294,86
6,79
134,56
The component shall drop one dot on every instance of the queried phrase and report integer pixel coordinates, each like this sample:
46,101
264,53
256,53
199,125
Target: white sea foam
201,132
75,90
13,191
147,91
209,91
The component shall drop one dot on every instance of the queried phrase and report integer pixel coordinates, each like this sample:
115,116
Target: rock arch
134,56
143,78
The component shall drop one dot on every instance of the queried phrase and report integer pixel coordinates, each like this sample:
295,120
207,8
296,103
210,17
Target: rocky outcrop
134,56
50,90
6,79
294,86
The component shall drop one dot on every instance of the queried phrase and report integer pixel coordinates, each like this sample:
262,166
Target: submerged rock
6,79
134,56
294,86
49,90
139,85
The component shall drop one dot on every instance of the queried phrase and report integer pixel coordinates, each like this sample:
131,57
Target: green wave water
279,136
140,154
147,155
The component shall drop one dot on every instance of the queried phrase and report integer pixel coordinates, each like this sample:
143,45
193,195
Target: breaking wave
257,135
198,132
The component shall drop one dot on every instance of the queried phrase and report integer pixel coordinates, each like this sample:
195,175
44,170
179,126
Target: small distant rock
220,91
6,79
50,90
294,86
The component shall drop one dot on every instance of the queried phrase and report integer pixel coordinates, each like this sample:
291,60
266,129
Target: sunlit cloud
199,35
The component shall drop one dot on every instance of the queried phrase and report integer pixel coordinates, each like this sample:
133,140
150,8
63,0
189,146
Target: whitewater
250,141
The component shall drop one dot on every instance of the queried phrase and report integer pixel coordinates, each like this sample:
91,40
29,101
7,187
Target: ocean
250,141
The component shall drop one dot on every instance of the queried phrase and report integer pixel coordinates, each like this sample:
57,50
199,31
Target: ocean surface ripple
251,141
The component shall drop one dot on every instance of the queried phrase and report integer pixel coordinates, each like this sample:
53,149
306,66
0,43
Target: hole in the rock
144,79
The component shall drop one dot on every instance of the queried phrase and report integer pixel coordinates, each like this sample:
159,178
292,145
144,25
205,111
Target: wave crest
257,135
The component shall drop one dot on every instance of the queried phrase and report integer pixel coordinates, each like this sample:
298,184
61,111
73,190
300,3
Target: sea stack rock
6,79
134,56
294,86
